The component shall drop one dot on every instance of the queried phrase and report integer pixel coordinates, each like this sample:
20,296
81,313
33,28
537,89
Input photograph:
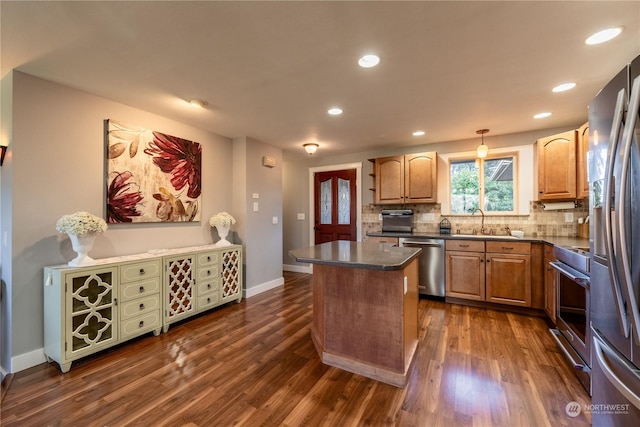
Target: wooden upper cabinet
557,166
581,162
406,179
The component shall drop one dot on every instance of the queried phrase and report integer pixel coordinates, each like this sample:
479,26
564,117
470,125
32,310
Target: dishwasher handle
422,243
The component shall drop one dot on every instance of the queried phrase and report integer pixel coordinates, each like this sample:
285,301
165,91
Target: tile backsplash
538,223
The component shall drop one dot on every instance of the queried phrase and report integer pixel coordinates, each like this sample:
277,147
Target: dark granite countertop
344,253
554,240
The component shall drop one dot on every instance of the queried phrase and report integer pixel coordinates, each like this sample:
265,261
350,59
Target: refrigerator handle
627,143
599,349
608,195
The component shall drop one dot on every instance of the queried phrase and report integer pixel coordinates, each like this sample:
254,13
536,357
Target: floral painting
152,177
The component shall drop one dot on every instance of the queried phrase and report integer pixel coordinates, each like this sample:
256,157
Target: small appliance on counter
397,220
445,226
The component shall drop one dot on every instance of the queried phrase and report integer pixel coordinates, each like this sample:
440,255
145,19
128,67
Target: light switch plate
256,195
301,216
255,206
275,220
568,217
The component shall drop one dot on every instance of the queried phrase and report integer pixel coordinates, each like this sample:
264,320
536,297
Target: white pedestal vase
223,232
82,245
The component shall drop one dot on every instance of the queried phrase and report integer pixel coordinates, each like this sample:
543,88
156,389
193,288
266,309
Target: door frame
328,168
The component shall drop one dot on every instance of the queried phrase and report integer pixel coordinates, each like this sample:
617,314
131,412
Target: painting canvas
151,176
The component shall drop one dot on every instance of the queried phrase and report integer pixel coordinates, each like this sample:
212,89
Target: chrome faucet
482,230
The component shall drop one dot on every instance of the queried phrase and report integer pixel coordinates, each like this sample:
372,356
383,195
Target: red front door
335,205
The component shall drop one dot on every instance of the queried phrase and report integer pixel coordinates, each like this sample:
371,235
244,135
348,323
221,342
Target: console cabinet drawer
139,289
509,247
140,306
465,245
139,270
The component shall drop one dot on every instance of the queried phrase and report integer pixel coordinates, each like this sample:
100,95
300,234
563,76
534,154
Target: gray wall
56,166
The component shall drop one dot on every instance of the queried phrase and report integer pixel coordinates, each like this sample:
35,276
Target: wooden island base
365,321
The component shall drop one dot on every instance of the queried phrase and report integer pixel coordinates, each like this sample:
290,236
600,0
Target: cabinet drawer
140,325
465,245
208,273
140,306
139,270
140,288
509,247
209,300
548,252
207,286
207,258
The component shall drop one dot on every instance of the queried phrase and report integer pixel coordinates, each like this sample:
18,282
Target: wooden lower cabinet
89,309
498,273
465,275
550,284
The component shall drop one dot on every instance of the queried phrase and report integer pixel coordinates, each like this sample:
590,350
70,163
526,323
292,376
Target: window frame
481,185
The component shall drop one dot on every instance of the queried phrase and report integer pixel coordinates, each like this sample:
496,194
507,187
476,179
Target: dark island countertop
372,256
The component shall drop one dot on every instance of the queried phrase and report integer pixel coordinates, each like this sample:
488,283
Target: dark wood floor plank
254,364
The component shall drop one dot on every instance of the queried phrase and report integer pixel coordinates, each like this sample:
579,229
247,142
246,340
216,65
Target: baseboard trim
298,268
263,287
27,360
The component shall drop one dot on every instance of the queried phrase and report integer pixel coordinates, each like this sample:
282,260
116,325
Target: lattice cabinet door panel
80,312
179,295
231,274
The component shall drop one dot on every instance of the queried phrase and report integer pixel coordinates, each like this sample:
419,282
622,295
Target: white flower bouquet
80,224
221,218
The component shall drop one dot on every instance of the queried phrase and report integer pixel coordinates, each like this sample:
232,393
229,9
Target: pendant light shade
482,149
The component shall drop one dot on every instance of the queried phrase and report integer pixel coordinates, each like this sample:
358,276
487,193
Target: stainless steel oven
573,332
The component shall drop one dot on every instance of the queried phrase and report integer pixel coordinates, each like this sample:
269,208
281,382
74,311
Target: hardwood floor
253,364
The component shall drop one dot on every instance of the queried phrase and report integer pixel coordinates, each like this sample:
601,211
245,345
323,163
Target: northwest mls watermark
573,409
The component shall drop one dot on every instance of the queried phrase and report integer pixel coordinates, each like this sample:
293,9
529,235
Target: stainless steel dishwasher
431,265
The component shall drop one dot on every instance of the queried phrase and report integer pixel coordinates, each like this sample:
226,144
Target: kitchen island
365,307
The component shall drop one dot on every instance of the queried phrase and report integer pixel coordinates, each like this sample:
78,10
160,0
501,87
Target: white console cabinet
88,309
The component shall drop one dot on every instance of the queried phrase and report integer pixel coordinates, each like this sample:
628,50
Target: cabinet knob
141,289
209,286
488,261
208,272
208,258
141,306
208,299
141,324
141,271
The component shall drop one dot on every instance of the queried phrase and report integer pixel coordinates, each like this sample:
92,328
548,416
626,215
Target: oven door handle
571,273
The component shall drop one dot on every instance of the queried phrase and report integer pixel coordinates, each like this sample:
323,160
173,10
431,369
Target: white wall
57,167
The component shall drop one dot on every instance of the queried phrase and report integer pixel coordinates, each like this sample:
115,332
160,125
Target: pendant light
482,149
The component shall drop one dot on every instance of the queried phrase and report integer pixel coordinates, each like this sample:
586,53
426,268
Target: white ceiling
270,70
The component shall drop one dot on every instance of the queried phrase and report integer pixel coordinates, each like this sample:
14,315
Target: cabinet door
231,275
509,279
390,180
179,287
465,275
557,166
420,175
581,162
90,311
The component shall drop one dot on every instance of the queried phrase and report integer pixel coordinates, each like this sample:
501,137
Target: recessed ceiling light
542,115
418,133
563,87
198,103
335,111
368,61
604,35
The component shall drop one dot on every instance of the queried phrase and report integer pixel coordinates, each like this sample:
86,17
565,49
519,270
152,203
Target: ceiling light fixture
542,115
369,61
604,36
335,111
310,147
418,133
197,103
482,149
563,87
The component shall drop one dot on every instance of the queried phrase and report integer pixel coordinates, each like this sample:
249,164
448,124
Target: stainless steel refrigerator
614,206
